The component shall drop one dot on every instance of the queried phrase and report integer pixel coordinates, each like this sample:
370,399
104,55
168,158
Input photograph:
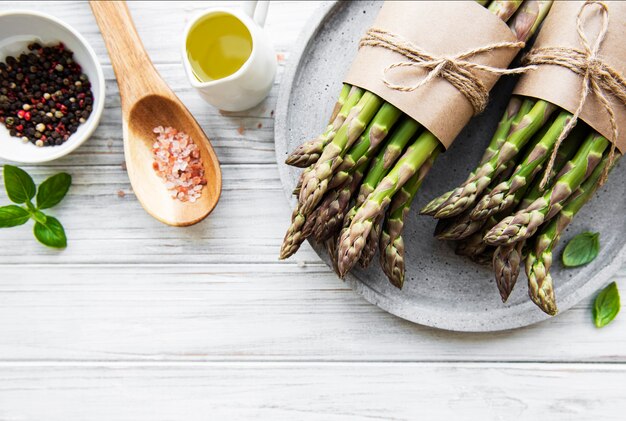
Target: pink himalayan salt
177,162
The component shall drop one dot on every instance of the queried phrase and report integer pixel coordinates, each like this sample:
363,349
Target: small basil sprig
581,249
606,305
21,190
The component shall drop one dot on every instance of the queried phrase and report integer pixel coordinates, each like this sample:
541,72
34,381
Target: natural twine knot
598,77
456,69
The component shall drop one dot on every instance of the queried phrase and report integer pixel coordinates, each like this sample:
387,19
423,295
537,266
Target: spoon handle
135,73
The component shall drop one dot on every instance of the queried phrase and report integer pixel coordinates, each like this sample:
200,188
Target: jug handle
257,10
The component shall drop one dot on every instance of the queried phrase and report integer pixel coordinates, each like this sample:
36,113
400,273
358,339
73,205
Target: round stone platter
441,290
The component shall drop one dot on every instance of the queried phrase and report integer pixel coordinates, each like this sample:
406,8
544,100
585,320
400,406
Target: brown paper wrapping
440,28
561,86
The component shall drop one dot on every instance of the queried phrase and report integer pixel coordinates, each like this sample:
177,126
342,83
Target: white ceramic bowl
17,30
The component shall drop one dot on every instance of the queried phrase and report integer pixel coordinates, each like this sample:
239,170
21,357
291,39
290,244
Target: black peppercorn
44,96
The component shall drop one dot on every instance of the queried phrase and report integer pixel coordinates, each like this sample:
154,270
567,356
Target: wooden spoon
147,102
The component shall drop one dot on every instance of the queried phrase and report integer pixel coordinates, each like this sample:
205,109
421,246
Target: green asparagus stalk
504,9
529,17
334,206
463,225
507,258
294,236
343,95
372,242
525,222
506,266
309,152
315,182
368,144
387,157
524,25
382,163
515,110
503,195
391,241
353,240
539,260
473,246
465,196
335,203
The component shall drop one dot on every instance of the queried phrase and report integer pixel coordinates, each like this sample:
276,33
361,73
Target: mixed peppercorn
44,95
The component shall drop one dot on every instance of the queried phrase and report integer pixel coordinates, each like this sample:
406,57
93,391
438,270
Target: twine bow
598,77
456,69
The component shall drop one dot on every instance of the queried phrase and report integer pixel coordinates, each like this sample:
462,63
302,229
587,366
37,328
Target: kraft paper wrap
442,29
561,86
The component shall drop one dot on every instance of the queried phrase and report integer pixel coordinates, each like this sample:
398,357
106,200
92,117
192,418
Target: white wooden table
139,321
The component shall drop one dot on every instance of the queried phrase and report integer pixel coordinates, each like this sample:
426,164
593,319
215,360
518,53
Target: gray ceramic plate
441,289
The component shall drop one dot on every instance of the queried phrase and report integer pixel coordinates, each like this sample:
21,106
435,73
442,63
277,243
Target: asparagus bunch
354,239
515,220
370,158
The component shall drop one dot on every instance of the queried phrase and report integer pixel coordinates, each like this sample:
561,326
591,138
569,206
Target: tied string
598,77
456,69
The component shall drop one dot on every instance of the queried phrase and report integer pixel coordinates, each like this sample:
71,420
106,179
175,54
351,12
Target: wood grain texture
137,320
148,102
289,391
251,312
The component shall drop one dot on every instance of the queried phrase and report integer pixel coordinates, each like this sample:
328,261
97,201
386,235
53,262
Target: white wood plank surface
137,320
250,312
336,392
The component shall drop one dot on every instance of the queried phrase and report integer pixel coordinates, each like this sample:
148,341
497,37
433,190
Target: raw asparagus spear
343,95
524,25
506,263
387,157
507,258
382,163
391,241
528,18
513,114
352,241
502,196
539,260
294,236
515,111
315,182
372,242
334,206
463,225
525,222
368,144
474,246
504,9
309,152
464,196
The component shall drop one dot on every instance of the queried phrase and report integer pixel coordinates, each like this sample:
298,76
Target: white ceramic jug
249,85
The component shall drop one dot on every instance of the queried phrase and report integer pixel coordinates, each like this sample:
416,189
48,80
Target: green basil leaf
12,216
19,185
581,249
606,306
53,190
51,233
39,216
